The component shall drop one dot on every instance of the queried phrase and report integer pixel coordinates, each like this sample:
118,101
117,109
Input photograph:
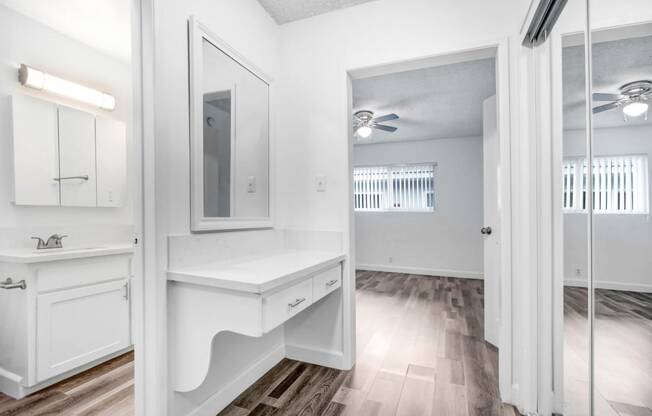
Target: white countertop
259,273
65,253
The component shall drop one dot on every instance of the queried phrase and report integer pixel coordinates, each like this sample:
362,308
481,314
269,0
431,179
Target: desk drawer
326,282
282,305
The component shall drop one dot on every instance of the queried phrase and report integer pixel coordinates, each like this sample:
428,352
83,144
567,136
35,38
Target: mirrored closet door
621,142
605,206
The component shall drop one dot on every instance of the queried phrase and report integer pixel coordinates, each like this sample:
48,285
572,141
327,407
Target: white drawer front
281,306
326,282
81,272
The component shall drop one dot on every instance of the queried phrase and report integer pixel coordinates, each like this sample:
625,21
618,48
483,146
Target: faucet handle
40,244
54,241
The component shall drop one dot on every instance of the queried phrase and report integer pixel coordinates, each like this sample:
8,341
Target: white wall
446,242
623,242
26,41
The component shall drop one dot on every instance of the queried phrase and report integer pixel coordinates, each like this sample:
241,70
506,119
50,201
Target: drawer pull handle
127,289
65,178
331,282
296,303
10,284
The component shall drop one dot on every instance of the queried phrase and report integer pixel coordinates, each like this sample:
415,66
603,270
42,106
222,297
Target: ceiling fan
364,121
632,99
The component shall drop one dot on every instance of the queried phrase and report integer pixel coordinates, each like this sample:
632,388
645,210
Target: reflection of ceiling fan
632,99
364,122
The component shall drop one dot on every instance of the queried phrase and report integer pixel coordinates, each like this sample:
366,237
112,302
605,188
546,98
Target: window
620,184
394,188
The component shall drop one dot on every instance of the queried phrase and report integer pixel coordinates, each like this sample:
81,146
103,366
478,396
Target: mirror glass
575,219
622,232
235,108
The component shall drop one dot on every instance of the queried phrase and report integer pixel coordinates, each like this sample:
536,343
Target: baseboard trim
629,287
325,358
218,401
421,270
11,384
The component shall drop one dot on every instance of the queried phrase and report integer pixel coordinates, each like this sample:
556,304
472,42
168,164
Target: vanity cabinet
250,296
66,157
72,314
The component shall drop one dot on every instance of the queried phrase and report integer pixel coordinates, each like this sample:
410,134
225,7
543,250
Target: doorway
426,189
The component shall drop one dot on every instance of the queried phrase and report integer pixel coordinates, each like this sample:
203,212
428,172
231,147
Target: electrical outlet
578,272
251,184
320,183
390,259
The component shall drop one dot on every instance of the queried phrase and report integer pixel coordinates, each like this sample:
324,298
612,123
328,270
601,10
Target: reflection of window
394,188
620,184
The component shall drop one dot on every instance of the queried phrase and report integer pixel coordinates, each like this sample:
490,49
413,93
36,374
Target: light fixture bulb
43,81
364,131
635,108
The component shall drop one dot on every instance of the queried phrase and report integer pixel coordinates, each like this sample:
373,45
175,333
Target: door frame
500,50
149,296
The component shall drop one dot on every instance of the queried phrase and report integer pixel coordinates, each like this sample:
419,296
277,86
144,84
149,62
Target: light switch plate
320,183
251,184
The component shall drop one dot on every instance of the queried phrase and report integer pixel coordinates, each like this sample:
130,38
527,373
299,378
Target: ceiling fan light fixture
363,131
635,109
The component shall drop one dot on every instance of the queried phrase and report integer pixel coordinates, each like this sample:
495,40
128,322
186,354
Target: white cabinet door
111,155
36,151
77,158
77,326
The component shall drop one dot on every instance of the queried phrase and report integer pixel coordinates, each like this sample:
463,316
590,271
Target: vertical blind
394,188
620,184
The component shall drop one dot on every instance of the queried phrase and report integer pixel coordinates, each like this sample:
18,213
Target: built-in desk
250,296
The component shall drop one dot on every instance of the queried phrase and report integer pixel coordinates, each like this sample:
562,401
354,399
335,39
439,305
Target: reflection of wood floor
623,352
420,352
105,390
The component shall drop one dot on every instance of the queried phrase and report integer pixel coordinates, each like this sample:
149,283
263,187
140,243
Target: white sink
65,250
64,253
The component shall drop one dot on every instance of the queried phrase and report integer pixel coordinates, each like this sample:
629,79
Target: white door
77,326
111,155
491,228
36,151
77,158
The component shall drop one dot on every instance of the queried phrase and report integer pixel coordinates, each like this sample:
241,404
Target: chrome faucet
54,241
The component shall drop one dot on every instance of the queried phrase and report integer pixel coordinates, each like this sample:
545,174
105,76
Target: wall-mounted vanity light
40,80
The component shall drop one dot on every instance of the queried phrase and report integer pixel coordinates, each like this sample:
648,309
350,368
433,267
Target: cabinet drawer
81,272
281,306
326,282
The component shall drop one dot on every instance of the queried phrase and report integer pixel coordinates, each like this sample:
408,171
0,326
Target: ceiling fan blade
605,107
383,127
600,96
386,117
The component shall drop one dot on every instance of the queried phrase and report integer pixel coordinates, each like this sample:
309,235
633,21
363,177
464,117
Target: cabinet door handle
331,282
64,178
10,284
126,288
296,303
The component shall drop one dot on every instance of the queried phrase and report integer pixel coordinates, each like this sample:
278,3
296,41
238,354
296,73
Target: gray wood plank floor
421,351
105,390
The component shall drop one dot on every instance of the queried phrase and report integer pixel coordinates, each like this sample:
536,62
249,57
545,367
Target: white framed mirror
230,163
